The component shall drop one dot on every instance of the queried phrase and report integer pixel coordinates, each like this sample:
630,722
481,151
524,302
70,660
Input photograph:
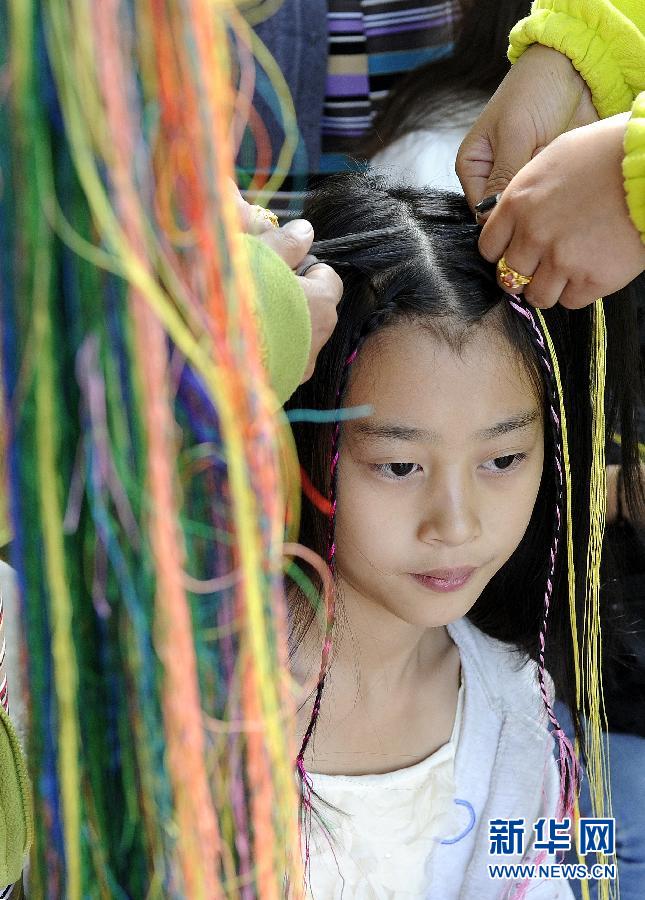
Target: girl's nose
450,514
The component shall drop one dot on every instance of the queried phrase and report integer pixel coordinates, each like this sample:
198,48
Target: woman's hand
541,97
322,286
564,220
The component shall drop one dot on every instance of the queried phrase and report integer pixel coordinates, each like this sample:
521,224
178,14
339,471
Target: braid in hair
568,761
376,319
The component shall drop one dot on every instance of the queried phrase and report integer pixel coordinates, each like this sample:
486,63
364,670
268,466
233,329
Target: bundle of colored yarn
585,629
146,467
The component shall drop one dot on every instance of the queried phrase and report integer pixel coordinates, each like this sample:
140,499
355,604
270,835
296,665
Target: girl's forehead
411,371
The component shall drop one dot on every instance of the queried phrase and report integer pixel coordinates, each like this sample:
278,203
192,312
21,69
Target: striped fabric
4,690
5,893
372,43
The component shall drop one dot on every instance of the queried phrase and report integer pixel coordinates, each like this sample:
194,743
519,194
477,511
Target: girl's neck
379,647
390,695
372,645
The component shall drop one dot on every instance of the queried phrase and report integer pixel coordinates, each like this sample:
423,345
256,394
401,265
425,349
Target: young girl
432,723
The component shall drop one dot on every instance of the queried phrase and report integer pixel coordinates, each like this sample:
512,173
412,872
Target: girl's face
436,488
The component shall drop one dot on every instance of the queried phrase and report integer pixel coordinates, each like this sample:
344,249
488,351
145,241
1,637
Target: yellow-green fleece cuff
16,822
603,40
283,318
634,164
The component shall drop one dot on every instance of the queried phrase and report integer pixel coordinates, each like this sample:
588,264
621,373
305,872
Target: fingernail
487,203
299,227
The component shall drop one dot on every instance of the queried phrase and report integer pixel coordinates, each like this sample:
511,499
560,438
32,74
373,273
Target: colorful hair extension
598,771
568,761
147,468
587,654
329,507
337,416
330,615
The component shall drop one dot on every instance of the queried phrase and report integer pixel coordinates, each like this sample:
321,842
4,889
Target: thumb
291,242
489,159
511,151
501,176
473,165
243,208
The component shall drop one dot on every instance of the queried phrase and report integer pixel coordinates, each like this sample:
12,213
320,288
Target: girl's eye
396,470
504,463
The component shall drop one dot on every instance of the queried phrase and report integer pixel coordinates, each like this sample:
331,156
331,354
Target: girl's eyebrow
522,420
396,432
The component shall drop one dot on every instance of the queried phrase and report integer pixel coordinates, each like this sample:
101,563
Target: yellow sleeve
282,314
634,164
16,820
604,40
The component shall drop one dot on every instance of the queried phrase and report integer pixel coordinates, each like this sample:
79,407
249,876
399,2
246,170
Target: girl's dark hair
406,254
445,91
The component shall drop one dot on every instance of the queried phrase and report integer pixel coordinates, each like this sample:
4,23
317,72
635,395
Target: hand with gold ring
561,231
509,279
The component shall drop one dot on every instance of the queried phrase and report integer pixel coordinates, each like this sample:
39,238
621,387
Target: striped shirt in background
371,45
4,689
5,892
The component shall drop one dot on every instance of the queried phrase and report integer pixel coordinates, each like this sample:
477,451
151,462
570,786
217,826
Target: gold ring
260,218
271,217
510,278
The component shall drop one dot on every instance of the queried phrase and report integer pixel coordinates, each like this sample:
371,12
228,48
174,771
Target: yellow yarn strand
597,750
571,572
587,662
197,349
63,651
65,675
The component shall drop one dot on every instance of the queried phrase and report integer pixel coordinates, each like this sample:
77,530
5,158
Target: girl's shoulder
506,676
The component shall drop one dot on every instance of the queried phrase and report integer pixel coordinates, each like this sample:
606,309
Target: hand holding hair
563,224
323,289
541,97
321,285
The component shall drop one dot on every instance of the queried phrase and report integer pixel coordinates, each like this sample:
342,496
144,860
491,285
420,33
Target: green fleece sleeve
283,318
634,164
604,40
16,824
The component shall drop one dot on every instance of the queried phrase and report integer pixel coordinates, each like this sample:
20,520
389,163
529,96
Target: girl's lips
445,580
